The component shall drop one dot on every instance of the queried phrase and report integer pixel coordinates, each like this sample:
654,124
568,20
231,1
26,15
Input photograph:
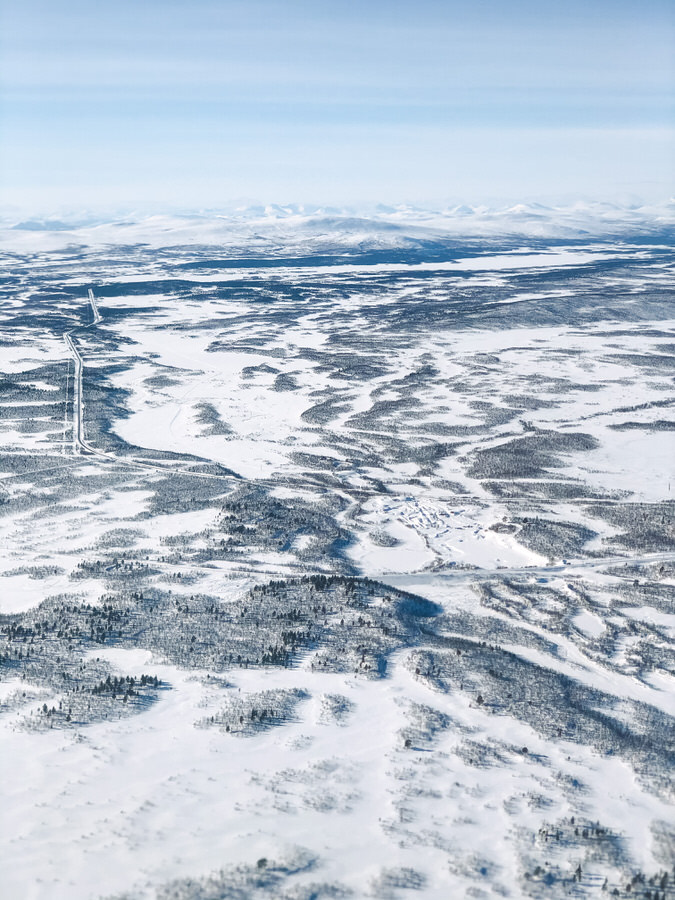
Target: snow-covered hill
297,228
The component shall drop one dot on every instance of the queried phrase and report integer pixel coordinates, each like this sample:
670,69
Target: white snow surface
320,393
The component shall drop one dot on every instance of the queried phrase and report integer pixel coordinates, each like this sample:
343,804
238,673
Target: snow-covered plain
212,680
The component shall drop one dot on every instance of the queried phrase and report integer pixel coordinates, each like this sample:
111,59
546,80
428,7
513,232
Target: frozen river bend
338,561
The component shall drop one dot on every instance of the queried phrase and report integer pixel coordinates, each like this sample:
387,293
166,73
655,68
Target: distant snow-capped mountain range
322,227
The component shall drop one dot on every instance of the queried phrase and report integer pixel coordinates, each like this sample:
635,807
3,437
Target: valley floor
337,574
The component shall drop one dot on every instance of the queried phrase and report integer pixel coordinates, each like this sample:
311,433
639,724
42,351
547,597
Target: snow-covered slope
293,228
338,558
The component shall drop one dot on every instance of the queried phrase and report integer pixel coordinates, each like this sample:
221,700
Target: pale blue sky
166,104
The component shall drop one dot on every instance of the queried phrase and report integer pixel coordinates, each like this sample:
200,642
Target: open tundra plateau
338,560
